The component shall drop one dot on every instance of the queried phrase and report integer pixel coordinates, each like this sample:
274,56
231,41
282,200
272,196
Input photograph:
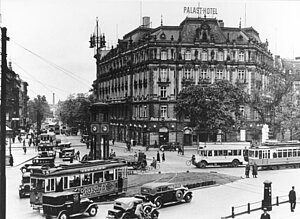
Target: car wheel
147,209
63,215
188,198
154,214
92,211
158,202
202,164
235,163
179,195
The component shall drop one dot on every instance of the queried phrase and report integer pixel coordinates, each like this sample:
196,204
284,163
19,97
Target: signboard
200,10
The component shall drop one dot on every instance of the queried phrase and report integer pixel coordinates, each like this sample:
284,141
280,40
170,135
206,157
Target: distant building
141,78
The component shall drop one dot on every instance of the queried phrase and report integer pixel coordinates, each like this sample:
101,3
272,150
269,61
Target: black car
124,208
169,147
67,204
161,193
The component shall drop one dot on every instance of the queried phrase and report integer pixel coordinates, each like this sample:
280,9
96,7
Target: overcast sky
49,45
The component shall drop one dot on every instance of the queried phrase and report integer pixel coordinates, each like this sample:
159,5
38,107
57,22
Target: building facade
141,78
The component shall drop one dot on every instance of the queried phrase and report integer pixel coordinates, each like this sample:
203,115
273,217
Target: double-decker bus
227,153
276,155
47,138
93,179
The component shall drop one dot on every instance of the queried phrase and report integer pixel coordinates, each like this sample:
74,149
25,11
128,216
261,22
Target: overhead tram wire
44,84
69,73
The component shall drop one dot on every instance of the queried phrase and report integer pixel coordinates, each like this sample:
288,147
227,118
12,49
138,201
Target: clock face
94,128
104,128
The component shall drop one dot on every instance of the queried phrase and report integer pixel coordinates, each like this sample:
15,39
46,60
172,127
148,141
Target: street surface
208,203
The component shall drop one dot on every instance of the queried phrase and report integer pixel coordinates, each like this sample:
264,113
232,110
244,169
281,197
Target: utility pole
3,125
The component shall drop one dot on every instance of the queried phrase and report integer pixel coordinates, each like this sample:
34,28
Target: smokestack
53,98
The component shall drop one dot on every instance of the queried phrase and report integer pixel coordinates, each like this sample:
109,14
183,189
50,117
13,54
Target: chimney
146,22
221,23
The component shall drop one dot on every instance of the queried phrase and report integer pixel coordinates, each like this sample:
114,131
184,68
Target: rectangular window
98,177
241,57
188,55
187,74
163,111
136,111
203,74
145,111
74,181
204,56
219,75
86,179
163,91
164,55
66,183
163,74
241,74
220,56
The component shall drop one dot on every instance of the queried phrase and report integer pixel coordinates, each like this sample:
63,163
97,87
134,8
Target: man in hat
292,198
265,215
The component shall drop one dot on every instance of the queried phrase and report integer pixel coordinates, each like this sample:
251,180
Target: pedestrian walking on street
24,149
254,170
113,141
11,160
292,199
163,157
265,215
158,157
247,170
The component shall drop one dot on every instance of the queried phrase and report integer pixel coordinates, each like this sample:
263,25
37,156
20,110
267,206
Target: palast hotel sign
200,10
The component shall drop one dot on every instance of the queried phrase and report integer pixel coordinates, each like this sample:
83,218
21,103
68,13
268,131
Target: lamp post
97,41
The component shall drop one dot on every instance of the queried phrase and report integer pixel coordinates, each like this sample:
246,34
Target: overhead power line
67,72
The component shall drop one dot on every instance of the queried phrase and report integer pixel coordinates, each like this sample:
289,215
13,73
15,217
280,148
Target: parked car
67,153
169,147
161,193
67,204
124,208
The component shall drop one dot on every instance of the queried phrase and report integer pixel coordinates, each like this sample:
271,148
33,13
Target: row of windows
261,154
216,153
62,183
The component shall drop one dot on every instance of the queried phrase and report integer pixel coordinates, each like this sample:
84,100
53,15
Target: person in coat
265,215
292,199
158,157
254,170
163,156
247,170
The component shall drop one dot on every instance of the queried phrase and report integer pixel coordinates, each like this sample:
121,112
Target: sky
49,39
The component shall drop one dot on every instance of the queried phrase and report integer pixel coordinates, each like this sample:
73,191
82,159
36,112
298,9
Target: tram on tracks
93,179
274,156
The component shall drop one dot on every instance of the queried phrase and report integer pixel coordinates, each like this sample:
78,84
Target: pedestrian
113,141
265,215
158,157
254,170
11,160
139,211
292,199
163,157
247,170
29,141
24,149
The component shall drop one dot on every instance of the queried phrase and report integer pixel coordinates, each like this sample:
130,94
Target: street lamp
97,40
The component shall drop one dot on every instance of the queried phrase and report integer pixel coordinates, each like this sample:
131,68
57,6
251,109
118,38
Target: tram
275,156
227,153
93,179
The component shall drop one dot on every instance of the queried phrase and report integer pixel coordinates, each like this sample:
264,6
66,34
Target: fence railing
254,206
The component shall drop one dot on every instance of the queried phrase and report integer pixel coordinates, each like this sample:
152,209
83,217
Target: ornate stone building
141,78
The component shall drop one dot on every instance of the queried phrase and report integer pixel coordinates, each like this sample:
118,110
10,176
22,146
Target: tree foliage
266,101
38,107
211,107
75,110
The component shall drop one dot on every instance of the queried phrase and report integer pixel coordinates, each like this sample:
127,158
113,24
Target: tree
38,110
212,107
75,110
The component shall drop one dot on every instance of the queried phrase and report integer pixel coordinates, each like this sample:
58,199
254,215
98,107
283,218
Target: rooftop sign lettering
200,10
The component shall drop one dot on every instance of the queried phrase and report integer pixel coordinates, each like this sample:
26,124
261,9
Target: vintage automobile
161,193
24,188
67,204
67,153
172,146
46,150
124,208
